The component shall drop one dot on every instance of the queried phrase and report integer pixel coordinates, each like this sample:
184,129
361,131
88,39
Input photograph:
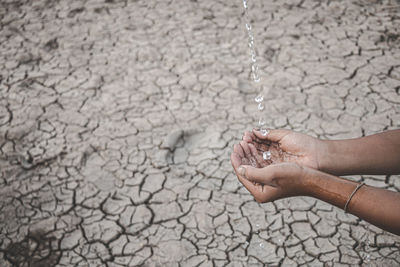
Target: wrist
310,182
325,149
329,188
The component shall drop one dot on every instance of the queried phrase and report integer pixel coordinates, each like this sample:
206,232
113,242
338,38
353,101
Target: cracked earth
117,119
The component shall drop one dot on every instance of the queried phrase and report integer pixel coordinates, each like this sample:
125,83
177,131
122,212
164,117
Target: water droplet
261,122
248,26
267,155
246,244
260,106
367,258
259,98
254,68
251,44
256,78
251,39
245,4
261,245
264,132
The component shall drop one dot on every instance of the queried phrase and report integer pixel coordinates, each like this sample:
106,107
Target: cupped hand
270,182
287,146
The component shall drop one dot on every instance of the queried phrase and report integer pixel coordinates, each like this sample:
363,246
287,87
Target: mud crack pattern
117,119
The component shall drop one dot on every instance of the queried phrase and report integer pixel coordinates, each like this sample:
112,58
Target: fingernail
242,171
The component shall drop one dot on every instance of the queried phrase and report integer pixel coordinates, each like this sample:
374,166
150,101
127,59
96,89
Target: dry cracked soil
117,119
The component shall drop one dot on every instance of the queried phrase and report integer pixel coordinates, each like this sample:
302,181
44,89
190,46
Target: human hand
286,146
270,182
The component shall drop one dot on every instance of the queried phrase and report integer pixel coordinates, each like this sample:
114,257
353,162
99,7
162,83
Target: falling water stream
255,76
259,99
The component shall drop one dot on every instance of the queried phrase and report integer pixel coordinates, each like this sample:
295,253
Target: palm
291,147
253,153
243,154
301,149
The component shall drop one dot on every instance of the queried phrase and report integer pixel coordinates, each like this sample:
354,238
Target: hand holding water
376,154
265,181
288,146
301,165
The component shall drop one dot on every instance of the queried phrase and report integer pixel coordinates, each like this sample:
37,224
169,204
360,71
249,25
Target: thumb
259,175
272,135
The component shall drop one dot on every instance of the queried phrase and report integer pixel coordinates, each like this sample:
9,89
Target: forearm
374,154
377,206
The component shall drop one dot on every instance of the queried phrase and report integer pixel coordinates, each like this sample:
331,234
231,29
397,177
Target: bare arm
374,154
378,206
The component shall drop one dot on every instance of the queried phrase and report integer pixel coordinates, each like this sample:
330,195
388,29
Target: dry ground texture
117,119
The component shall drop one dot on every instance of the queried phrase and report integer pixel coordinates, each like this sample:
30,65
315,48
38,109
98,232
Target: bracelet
351,196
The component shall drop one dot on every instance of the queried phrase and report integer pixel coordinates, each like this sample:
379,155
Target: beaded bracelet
351,196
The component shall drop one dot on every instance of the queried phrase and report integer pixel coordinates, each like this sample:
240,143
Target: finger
262,193
253,150
250,186
264,175
236,161
255,153
239,150
246,149
272,135
248,137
